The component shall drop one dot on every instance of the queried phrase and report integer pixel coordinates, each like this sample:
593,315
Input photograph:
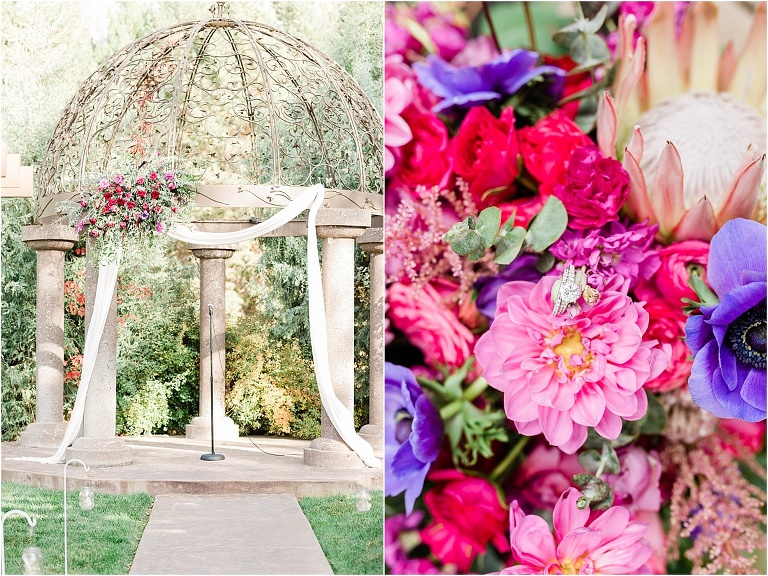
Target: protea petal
606,126
743,191
749,77
663,62
638,203
636,144
667,197
685,43
726,67
623,84
705,47
698,223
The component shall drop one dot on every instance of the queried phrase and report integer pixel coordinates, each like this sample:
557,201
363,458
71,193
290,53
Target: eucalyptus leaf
655,418
629,433
584,48
599,493
508,245
586,117
488,223
548,225
463,238
476,255
545,263
610,458
590,459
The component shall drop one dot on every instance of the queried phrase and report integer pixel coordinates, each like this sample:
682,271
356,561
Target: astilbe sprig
414,236
716,507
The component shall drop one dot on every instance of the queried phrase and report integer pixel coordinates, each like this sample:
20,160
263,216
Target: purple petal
465,101
427,433
739,245
697,333
730,367
446,81
738,301
753,392
732,401
700,383
508,67
405,463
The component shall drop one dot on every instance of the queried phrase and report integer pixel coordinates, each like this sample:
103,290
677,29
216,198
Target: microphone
210,309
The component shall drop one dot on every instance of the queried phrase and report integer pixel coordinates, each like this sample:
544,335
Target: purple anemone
469,86
728,339
522,268
413,432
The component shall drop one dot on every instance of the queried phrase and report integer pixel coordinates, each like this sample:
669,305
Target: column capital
372,241
49,237
342,222
212,252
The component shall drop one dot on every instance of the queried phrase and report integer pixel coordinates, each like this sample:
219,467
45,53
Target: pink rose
656,538
667,326
636,486
103,184
397,133
593,189
429,324
484,153
672,276
547,146
118,179
545,474
467,516
749,435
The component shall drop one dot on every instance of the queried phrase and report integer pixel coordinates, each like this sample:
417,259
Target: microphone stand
212,456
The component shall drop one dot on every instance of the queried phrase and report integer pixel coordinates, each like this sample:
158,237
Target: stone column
213,288
98,445
338,228
50,242
372,242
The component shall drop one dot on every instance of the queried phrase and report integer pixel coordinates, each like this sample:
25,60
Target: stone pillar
338,228
98,445
372,242
213,278
50,242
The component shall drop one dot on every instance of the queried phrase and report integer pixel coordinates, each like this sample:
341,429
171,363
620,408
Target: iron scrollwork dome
239,102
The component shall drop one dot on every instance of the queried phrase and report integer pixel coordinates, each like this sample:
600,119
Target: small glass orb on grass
32,560
363,501
86,498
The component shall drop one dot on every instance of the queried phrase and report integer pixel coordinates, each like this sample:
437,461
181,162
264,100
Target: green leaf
508,245
590,459
545,263
596,490
588,48
548,225
488,223
453,381
463,238
706,296
610,458
629,433
582,26
655,418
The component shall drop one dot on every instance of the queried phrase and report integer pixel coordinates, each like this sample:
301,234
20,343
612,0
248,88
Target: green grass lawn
353,542
101,541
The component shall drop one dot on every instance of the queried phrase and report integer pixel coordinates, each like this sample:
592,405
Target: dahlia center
711,131
747,337
571,346
573,566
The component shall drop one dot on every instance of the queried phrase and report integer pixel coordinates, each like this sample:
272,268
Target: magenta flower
160,227
608,544
561,375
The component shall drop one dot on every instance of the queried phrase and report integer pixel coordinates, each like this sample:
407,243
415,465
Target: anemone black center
746,337
403,425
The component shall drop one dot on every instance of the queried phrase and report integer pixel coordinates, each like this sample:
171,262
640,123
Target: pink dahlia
561,375
609,544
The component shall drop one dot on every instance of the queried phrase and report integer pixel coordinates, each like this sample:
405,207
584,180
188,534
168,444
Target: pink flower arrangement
607,544
561,375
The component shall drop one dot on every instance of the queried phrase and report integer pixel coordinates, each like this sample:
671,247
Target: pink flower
398,96
140,180
424,159
93,232
429,324
609,544
561,375
672,277
118,179
395,553
667,326
749,435
103,184
467,516
478,51
169,175
80,225
160,227
545,474
636,486
484,154
153,176
123,225
593,188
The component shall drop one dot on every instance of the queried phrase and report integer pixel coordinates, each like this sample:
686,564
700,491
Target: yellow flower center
571,345
571,566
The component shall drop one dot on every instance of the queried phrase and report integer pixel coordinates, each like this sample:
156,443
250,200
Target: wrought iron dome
253,109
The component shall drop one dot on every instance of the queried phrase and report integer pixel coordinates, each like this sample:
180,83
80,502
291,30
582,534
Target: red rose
153,176
547,147
141,193
131,205
467,515
92,220
425,158
155,195
123,225
484,153
592,188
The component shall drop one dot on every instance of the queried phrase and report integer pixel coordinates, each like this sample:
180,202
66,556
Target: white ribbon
341,418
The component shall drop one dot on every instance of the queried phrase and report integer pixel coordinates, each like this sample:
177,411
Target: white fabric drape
341,418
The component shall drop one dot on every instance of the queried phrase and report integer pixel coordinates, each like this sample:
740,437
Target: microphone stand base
212,457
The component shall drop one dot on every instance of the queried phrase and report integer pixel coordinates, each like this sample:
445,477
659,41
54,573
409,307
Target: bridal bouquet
131,202
576,301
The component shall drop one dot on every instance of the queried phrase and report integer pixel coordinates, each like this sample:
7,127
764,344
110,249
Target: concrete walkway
228,534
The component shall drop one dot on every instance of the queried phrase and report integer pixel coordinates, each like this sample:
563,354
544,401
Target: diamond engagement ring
566,291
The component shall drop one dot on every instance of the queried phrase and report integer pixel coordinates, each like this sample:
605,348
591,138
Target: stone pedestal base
327,453
374,435
224,428
43,435
101,452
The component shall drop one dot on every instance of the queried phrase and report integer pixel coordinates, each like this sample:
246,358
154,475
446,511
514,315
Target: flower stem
451,409
475,389
529,25
502,468
487,14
